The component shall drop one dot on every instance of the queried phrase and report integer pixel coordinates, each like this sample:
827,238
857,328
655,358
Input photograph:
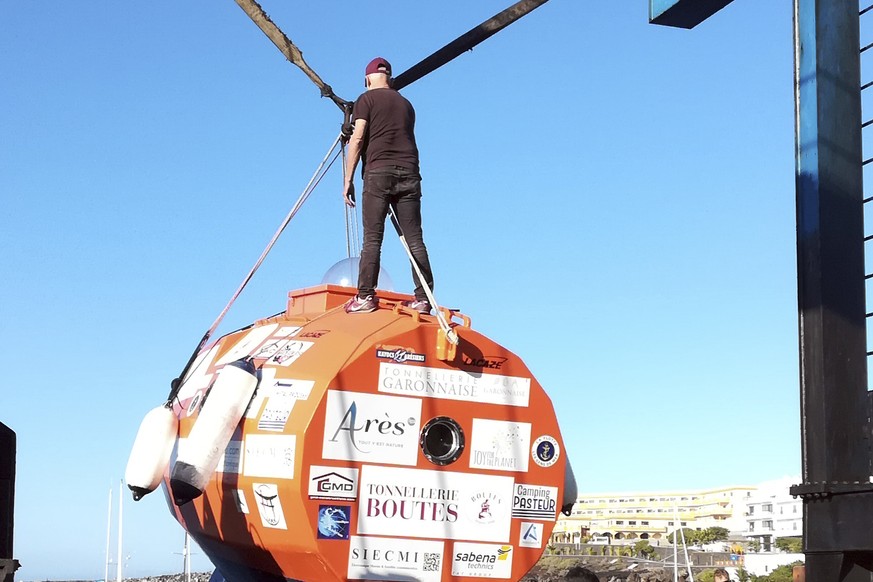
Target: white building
763,513
764,563
771,513
626,518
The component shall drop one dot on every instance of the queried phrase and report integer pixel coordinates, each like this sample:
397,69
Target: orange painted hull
325,479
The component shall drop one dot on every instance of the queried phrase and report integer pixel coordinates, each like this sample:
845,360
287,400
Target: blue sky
611,200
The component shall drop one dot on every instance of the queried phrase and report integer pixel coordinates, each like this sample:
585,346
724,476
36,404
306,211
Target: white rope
346,210
356,236
451,335
353,237
313,182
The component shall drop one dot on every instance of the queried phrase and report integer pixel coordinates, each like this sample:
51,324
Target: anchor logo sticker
545,451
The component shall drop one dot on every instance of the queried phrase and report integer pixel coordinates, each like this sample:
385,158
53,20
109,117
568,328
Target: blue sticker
545,451
333,522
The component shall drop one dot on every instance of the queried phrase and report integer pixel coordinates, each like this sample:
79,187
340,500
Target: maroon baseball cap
379,65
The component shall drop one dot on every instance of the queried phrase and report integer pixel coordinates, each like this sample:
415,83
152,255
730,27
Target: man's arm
356,144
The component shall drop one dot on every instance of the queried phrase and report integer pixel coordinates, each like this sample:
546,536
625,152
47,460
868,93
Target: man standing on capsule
384,136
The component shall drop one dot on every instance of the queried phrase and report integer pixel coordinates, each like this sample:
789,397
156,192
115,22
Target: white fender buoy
571,491
151,451
225,405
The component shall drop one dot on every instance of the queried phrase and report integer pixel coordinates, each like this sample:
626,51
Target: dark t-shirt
390,136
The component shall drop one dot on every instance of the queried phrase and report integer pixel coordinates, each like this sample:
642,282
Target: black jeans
400,187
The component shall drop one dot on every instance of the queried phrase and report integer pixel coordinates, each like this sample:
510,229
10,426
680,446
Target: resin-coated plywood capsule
365,447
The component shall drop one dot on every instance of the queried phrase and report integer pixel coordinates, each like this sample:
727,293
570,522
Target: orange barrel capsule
371,450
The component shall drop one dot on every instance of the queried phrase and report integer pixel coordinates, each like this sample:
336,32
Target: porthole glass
442,440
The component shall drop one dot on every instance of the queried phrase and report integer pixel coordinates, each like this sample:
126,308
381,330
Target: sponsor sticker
333,482
534,502
453,384
434,504
545,451
248,343
481,560
485,362
285,391
500,445
289,353
269,505
290,389
485,507
333,522
281,395
269,349
268,455
239,496
399,355
395,559
315,334
231,460
275,415
531,535
371,428
279,339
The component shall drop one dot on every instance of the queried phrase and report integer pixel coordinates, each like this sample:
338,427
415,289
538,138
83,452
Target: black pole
7,502
838,501
466,42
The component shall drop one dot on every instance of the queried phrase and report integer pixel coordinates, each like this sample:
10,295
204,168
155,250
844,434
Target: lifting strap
287,48
322,169
451,334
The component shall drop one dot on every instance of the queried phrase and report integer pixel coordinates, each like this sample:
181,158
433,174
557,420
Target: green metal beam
683,13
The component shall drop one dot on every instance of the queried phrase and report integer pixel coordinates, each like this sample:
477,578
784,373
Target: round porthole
442,440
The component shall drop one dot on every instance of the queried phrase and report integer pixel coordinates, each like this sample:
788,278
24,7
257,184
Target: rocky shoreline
591,569
549,569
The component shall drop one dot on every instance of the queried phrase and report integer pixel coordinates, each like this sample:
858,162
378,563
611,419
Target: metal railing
866,50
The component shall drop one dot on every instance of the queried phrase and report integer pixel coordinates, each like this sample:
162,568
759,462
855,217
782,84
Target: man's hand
347,129
349,194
